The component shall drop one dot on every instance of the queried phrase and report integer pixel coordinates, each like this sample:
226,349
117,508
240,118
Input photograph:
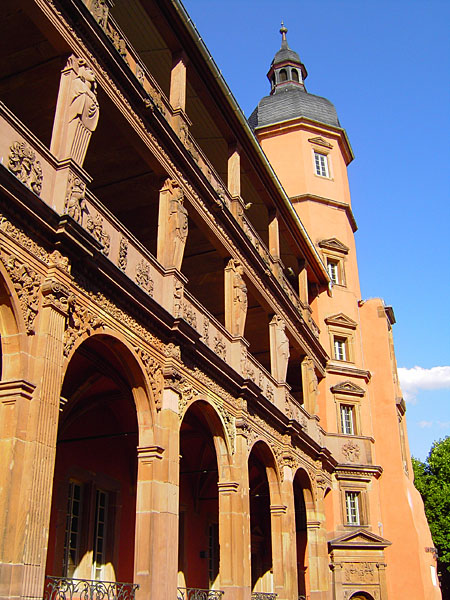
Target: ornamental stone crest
75,202
143,278
22,162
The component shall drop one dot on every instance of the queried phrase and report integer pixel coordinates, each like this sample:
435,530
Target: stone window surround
363,503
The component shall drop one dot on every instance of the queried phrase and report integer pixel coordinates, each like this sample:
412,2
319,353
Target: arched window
283,75
294,75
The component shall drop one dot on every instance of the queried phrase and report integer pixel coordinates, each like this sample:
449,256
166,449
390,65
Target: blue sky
385,65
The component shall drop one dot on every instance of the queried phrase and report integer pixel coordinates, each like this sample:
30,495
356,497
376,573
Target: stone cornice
330,202
348,370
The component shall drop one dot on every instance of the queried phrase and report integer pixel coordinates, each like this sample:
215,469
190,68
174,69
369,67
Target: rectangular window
352,508
340,348
333,270
72,533
321,164
100,524
347,419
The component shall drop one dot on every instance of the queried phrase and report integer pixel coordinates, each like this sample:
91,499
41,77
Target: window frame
340,348
354,495
347,417
360,490
321,163
334,268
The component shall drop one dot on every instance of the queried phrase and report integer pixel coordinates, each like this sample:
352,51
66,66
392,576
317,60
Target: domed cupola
287,70
288,97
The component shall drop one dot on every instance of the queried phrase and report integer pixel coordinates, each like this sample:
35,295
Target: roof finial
283,31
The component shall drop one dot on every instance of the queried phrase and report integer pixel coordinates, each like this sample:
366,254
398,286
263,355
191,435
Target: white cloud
423,424
418,378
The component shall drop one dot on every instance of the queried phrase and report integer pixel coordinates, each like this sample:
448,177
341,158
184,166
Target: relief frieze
23,164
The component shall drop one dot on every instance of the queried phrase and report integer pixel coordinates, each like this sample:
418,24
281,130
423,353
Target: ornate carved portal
172,225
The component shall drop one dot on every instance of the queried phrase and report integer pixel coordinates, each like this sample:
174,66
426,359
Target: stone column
172,225
235,298
336,570
156,546
279,348
43,425
77,111
318,558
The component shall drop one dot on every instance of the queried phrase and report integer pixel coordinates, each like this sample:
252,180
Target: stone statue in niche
236,301
172,225
310,385
77,111
279,348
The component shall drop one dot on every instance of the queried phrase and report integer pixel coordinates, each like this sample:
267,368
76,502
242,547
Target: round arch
361,596
12,329
117,349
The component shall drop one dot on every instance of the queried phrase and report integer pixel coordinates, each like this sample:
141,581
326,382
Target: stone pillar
274,235
310,385
303,283
43,426
156,545
178,81
289,539
318,558
77,111
235,298
336,570
234,171
278,519
279,348
172,225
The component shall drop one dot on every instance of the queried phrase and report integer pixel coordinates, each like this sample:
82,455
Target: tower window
352,508
333,270
283,75
294,73
347,419
321,164
340,348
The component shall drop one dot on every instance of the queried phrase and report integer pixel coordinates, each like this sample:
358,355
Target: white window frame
347,413
321,166
353,507
333,271
340,348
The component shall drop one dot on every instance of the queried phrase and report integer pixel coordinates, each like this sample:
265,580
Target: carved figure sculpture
77,111
236,301
310,385
172,225
279,348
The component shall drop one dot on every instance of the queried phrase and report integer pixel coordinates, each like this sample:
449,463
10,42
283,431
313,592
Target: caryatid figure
310,385
77,111
236,301
172,225
279,348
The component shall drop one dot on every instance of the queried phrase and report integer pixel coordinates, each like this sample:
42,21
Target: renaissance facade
195,400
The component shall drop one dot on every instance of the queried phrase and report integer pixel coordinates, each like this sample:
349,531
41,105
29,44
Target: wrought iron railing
198,594
263,596
63,588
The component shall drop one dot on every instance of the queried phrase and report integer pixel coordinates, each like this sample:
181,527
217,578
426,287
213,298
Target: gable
348,387
334,244
320,142
359,539
342,320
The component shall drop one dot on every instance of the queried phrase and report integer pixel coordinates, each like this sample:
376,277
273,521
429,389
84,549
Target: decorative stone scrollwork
80,321
172,351
122,261
100,10
95,228
56,294
56,259
155,374
75,202
26,283
22,238
190,315
140,74
187,394
230,425
279,348
351,451
143,278
22,162
118,41
206,330
356,572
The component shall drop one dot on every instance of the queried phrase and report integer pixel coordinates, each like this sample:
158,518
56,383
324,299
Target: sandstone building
193,394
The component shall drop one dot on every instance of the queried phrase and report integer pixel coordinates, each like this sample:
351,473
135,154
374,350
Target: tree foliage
432,479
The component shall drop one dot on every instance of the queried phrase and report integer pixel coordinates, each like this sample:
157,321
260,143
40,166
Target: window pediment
335,245
348,387
320,141
359,539
341,320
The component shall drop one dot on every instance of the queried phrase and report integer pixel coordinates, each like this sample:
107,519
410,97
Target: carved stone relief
75,202
26,283
123,254
178,298
22,162
95,228
80,321
363,572
155,374
220,347
143,278
190,315
351,451
19,236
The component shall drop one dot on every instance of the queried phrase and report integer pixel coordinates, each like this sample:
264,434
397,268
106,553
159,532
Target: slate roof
291,103
285,54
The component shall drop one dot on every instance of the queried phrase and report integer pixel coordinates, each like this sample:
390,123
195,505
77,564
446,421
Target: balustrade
199,594
64,588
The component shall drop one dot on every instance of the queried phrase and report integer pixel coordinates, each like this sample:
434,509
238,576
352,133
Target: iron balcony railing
63,588
199,594
263,596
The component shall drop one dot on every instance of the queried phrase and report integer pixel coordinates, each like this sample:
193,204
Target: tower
375,517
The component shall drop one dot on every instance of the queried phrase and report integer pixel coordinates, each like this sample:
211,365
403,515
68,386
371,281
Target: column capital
228,487
278,509
147,454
